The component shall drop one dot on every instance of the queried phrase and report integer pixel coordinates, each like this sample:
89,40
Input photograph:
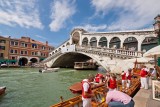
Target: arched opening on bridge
93,42
59,49
115,42
23,61
85,42
68,60
130,43
148,43
33,60
103,42
75,38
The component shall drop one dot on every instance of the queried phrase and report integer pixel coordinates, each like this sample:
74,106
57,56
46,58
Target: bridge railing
51,57
106,51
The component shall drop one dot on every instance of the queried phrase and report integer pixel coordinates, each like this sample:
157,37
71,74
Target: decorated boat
2,90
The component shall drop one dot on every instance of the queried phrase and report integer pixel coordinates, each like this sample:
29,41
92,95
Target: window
22,52
43,48
2,47
13,57
15,51
13,43
23,45
16,43
11,51
26,52
34,45
26,45
2,41
1,55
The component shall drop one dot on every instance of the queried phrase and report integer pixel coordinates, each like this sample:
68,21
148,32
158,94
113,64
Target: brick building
25,50
4,47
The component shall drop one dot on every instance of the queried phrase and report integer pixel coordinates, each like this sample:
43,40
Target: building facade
25,51
4,47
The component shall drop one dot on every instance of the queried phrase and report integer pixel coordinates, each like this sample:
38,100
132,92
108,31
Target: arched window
130,43
115,43
103,42
85,42
93,42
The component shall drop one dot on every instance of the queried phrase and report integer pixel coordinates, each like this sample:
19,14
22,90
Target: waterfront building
25,51
4,47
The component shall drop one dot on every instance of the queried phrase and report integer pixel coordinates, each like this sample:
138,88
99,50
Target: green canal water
26,87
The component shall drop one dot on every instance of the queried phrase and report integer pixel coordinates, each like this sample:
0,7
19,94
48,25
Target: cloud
61,11
17,12
40,37
131,14
93,28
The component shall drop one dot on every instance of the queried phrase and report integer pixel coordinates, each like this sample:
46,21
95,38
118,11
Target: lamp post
157,31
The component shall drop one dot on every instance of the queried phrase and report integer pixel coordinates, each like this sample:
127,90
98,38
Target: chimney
46,43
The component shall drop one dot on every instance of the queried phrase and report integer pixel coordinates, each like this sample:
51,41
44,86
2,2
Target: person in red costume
123,74
128,77
144,74
112,83
87,92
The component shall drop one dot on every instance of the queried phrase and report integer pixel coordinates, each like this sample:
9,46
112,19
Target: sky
53,20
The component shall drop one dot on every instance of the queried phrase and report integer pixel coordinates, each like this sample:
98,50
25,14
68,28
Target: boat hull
2,90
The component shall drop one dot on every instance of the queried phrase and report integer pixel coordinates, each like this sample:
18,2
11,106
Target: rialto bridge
106,48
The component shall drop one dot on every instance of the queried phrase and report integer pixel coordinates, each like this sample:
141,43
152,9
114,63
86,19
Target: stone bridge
105,48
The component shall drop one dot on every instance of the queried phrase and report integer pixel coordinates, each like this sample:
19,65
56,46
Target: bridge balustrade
106,51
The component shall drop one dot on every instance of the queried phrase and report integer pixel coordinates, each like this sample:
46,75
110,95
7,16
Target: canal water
26,87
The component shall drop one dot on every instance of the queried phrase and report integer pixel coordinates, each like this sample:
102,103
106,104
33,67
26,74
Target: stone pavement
143,98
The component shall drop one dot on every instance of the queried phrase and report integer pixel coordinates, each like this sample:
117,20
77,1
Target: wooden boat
84,66
98,100
2,90
48,70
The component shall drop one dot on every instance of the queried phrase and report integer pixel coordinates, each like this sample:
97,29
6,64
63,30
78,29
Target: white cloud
61,11
41,37
17,12
92,28
132,14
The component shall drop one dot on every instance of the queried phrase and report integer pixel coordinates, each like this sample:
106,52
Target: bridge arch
102,42
148,43
93,42
115,42
85,41
130,43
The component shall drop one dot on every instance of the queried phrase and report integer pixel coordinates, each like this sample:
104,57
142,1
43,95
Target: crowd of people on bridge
115,98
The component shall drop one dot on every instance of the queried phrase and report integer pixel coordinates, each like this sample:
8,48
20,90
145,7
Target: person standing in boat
123,74
144,74
87,92
112,83
128,77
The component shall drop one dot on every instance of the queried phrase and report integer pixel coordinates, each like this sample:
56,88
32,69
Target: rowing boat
99,99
